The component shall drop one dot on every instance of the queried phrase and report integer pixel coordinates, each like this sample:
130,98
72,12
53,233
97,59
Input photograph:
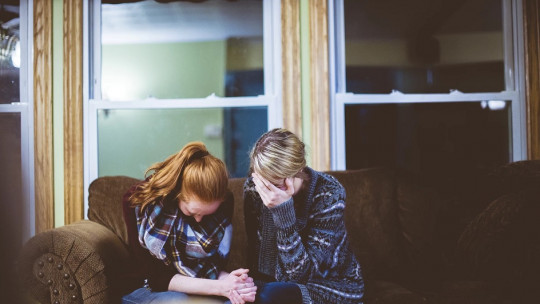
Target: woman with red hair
179,230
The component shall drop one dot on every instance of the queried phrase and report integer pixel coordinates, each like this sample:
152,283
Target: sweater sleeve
146,267
314,251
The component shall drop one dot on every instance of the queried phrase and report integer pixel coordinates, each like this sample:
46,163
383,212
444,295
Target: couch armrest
77,263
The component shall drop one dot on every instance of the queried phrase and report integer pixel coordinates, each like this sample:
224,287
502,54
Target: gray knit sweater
304,241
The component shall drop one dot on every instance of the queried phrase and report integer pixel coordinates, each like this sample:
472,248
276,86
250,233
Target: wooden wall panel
290,39
43,102
320,98
531,16
73,112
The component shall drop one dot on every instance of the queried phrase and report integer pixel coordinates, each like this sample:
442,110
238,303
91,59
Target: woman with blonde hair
297,241
179,231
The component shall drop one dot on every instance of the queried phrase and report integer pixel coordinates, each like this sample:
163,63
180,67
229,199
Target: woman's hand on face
239,287
271,195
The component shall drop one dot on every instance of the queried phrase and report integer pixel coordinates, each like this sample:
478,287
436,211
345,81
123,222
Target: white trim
336,30
350,98
272,61
86,95
209,102
95,44
519,112
27,31
508,45
332,82
341,85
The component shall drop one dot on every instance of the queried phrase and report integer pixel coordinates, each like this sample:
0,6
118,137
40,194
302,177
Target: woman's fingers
289,184
249,297
235,297
249,290
243,284
239,271
262,180
238,297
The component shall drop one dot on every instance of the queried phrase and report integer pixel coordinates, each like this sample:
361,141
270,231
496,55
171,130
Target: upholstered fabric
479,244
77,263
105,202
238,254
503,241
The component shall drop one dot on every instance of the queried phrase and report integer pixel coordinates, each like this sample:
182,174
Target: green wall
58,112
165,70
129,141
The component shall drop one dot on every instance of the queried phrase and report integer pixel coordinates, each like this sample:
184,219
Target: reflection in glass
181,49
132,140
424,46
10,52
443,140
11,200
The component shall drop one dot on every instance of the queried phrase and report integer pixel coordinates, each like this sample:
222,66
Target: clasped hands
273,195
239,287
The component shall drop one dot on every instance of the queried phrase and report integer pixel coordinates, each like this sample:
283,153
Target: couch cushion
503,241
385,292
238,254
105,202
392,223
371,218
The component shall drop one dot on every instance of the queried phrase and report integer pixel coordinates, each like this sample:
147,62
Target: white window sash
92,80
514,78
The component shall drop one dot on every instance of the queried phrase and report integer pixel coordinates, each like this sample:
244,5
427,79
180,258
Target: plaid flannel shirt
197,250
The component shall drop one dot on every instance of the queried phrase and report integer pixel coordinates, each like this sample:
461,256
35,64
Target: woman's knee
279,292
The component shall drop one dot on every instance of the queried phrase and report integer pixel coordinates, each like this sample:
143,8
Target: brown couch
481,244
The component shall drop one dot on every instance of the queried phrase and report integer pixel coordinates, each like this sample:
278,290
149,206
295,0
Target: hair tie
198,154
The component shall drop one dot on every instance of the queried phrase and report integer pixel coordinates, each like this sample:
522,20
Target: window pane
181,49
129,141
424,46
444,140
11,201
10,53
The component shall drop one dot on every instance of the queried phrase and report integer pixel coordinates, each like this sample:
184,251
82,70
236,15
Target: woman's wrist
221,287
283,214
222,275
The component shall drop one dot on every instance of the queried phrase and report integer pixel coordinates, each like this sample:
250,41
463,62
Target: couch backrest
389,220
105,207
238,254
105,202
395,225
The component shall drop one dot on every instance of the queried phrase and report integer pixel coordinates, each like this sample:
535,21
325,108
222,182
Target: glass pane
448,141
181,49
129,141
424,46
10,52
11,201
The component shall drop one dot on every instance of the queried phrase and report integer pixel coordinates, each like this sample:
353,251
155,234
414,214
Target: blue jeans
278,292
146,296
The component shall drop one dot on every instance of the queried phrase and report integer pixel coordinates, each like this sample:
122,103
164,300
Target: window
164,73
16,156
428,87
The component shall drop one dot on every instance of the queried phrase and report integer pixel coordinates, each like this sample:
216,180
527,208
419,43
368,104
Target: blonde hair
193,171
278,154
